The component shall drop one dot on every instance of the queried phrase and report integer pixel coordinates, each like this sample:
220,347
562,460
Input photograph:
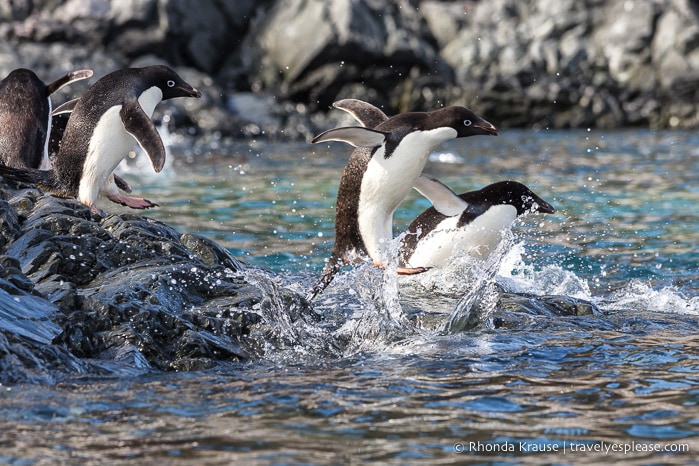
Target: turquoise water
624,200
521,386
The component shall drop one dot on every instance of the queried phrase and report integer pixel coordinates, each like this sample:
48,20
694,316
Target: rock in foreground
114,292
125,294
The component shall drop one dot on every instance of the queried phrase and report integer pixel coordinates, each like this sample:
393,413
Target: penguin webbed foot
133,202
412,270
96,211
405,270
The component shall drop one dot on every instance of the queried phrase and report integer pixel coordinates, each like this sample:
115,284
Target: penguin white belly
437,246
387,181
479,238
381,192
109,145
149,99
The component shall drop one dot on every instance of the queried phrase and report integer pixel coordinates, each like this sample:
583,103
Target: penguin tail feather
44,179
331,268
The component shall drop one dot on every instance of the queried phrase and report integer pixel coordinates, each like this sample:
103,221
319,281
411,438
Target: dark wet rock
347,39
209,252
11,277
114,293
546,305
526,311
20,318
28,326
9,223
60,292
149,306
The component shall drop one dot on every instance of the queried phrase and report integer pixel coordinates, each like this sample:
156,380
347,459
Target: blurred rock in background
272,68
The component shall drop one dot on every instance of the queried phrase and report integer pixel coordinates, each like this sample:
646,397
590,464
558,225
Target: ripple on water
365,383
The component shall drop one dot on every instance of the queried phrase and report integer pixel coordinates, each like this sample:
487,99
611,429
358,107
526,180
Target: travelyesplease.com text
567,446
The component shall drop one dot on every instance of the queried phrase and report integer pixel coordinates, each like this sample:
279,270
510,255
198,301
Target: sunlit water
398,384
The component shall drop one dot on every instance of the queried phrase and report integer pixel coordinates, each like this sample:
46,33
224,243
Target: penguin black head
23,77
169,82
515,194
464,121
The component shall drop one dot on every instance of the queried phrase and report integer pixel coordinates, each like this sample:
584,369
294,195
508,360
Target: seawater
384,377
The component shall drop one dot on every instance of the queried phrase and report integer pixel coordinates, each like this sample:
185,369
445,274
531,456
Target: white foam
638,295
516,276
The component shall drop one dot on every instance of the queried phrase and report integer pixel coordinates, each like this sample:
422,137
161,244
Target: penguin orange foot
404,270
133,202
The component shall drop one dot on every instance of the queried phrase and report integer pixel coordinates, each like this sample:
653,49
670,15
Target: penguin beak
190,92
545,207
487,128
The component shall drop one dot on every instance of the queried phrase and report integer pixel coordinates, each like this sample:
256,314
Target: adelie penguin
472,222
105,124
25,116
389,157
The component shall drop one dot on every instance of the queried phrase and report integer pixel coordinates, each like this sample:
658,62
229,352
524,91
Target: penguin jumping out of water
471,222
389,157
25,116
105,124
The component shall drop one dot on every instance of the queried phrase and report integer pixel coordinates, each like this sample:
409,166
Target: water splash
637,295
290,330
517,276
368,309
381,320
482,298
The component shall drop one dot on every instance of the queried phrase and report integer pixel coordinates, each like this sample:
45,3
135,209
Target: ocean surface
615,382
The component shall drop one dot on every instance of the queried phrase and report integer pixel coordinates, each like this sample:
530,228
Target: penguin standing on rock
103,127
389,157
25,116
471,222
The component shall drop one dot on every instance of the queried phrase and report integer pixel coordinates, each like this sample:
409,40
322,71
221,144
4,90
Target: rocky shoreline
79,292
85,294
124,294
270,69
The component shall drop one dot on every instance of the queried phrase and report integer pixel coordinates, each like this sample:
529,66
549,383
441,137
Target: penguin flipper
65,107
366,114
140,126
354,135
122,184
67,79
443,199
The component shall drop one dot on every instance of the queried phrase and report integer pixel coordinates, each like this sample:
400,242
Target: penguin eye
171,83
467,122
